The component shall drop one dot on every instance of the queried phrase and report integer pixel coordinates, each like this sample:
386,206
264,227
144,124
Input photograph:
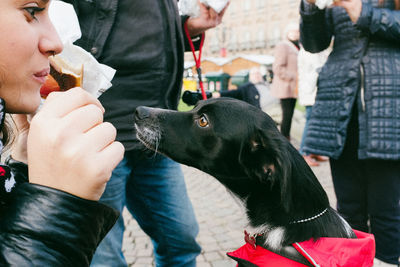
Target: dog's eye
202,121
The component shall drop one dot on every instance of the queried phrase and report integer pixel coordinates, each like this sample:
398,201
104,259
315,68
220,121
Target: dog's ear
265,157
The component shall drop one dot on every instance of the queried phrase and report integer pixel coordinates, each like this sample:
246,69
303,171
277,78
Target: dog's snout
142,113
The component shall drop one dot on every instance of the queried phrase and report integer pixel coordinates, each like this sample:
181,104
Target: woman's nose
50,43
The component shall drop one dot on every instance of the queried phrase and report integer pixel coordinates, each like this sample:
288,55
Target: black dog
240,146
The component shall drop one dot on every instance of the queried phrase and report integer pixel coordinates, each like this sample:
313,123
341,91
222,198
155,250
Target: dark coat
246,92
144,42
41,226
363,70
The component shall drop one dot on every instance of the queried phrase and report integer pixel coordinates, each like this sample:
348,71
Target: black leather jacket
41,226
363,70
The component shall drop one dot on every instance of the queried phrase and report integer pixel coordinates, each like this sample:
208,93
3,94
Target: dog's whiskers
150,137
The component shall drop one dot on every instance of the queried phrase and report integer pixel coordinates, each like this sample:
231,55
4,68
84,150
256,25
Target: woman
355,119
284,84
54,219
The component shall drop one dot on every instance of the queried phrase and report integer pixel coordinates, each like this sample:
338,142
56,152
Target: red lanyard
197,60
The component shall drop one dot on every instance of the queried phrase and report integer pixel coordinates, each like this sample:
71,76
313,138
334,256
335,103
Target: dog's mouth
150,137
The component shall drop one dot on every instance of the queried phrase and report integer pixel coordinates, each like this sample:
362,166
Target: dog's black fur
242,148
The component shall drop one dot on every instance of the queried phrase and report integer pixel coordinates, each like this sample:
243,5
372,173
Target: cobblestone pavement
220,217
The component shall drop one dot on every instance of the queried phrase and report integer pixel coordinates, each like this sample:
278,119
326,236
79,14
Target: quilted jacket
363,70
41,226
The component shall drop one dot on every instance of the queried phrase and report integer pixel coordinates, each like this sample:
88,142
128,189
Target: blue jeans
303,137
154,191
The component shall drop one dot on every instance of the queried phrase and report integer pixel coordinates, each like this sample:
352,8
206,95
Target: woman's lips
41,75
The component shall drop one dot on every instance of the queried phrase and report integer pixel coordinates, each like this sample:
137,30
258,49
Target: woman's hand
353,8
70,148
207,19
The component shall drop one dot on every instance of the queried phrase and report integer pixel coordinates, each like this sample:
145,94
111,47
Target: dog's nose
142,113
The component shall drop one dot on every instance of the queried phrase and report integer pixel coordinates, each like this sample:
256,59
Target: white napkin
192,9
96,77
217,5
321,4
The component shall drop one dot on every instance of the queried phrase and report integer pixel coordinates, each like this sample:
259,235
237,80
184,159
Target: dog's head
227,138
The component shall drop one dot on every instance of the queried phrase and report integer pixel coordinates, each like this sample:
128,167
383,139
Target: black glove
191,97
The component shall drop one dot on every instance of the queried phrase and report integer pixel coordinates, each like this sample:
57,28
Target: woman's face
27,40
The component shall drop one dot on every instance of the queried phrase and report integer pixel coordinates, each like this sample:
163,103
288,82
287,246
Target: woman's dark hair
396,3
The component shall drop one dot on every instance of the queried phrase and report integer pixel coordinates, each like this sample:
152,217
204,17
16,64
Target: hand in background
353,8
207,19
70,148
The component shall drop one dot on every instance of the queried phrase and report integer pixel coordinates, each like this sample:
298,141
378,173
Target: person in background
255,92
250,92
145,42
284,83
355,118
49,209
267,101
309,65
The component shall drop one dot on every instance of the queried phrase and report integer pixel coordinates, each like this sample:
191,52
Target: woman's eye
202,121
33,10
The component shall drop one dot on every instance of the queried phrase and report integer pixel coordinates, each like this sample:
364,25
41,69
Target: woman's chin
25,107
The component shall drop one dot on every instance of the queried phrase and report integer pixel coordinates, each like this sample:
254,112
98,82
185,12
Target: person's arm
195,39
207,19
381,22
55,219
237,94
315,27
47,227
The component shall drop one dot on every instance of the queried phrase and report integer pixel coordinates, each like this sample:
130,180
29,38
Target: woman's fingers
110,156
83,118
61,103
69,146
99,137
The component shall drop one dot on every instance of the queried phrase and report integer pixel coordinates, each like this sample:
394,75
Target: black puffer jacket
364,70
41,226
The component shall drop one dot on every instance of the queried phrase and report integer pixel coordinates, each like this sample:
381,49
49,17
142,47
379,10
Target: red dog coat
325,252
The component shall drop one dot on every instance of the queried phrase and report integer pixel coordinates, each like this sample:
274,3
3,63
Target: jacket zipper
362,89
306,255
